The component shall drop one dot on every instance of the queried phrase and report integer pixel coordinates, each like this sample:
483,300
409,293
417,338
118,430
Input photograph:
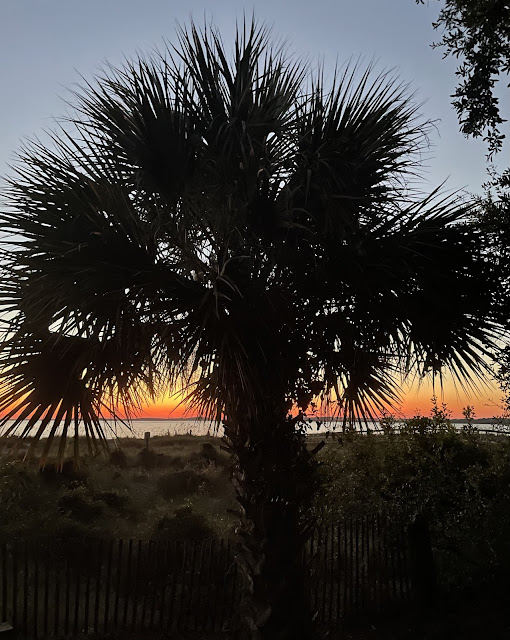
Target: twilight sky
45,45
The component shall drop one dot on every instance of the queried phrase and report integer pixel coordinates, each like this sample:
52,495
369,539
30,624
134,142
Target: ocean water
199,427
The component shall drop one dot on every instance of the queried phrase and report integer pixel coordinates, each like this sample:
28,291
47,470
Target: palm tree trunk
275,478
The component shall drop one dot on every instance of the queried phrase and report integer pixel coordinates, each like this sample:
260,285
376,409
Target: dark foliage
458,480
119,459
152,460
178,483
112,499
185,524
67,473
79,506
477,32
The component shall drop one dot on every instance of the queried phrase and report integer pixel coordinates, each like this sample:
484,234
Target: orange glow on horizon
415,399
418,398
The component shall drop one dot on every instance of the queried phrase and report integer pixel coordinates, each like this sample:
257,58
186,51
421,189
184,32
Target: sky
47,45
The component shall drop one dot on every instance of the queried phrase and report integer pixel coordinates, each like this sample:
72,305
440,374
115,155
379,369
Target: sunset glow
416,399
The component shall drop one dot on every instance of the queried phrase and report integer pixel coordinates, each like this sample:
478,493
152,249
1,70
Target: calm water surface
200,427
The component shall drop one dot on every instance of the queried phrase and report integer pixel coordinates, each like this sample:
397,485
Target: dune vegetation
180,488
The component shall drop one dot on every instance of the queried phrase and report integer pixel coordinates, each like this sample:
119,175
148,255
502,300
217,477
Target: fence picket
207,616
67,597
374,565
57,603
345,564
98,586
118,585
156,548
14,588
399,549
167,565
384,565
109,555
188,591
339,571
194,583
4,580
216,573
361,563
87,601
324,598
225,572
77,592
25,588
46,595
147,585
174,587
36,597
136,589
128,583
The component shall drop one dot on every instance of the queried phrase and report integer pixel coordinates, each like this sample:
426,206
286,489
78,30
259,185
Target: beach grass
179,486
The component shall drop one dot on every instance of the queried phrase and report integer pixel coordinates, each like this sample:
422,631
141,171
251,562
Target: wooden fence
360,565
97,586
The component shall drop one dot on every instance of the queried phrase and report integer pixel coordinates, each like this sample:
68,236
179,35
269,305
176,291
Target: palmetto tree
229,222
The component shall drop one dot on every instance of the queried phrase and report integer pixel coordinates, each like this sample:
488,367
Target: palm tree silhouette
229,222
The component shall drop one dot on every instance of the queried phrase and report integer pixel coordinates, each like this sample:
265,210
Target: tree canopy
477,32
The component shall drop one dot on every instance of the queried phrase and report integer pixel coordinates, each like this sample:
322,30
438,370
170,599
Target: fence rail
98,586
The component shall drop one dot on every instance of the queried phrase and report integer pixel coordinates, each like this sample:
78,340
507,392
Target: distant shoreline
314,419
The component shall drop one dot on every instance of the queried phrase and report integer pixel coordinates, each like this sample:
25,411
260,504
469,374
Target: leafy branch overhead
477,32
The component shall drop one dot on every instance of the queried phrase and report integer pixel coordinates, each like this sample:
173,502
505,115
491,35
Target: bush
185,524
119,459
112,499
70,474
141,478
179,483
78,505
459,482
67,534
209,453
150,460
177,462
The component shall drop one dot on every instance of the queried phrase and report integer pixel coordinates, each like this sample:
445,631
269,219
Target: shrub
459,482
66,534
185,524
178,483
69,474
217,482
119,459
112,499
78,505
176,462
209,453
141,478
150,460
